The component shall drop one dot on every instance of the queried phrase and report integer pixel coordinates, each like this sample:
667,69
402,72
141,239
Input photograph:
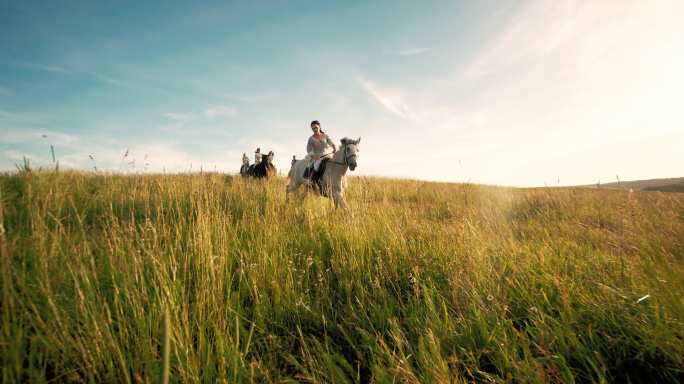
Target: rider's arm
309,147
330,143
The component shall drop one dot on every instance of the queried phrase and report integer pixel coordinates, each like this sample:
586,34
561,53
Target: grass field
417,282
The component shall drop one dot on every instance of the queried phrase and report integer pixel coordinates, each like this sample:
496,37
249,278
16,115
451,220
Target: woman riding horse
332,181
317,145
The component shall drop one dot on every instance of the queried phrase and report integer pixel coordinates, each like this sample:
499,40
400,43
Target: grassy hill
417,282
663,185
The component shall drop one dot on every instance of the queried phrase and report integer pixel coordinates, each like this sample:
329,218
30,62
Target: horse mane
346,141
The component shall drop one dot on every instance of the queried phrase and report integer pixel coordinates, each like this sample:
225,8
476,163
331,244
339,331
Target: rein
344,162
337,162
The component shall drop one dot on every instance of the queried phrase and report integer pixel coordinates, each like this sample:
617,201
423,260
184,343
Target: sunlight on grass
417,282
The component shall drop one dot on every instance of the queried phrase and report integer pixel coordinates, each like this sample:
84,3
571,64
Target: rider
245,165
257,156
318,144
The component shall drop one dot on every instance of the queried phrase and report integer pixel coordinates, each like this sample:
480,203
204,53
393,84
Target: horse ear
358,140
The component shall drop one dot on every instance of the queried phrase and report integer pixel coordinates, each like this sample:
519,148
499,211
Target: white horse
333,180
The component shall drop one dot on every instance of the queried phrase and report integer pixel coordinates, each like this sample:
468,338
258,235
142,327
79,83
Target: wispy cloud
220,111
106,79
14,155
562,34
23,118
414,105
178,116
393,100
52,68
411,51
43,67
257,97
534,88
7,115
34,136
86,153
571,81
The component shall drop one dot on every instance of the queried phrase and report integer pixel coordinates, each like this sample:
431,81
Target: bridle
345,158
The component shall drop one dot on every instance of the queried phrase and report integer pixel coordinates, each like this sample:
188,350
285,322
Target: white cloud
255,97
564,89
39,137
7,115
220,111
14,155
106,79
158,156
558,88
177,116
43,67
69,70
392,99
11,158
410,51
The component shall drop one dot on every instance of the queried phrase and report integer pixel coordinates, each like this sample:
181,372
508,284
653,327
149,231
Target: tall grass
210,278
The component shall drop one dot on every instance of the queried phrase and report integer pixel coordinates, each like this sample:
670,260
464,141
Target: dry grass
418,282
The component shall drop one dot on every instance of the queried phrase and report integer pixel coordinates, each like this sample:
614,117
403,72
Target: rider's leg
314,174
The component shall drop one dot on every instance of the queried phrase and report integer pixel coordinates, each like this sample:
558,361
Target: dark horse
264,169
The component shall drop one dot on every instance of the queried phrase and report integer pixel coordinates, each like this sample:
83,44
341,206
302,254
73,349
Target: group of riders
317,149
323,169
262,167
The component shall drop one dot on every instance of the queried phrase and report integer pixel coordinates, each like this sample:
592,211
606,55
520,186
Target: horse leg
338,198
290,188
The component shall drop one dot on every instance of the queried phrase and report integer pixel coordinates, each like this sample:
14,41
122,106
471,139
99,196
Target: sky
518,93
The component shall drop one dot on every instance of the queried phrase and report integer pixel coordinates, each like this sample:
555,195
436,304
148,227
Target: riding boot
309,173
313,178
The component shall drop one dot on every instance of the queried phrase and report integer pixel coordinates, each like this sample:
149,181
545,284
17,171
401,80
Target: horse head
350,149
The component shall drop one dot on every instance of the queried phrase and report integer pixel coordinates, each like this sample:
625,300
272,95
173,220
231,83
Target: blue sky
500,92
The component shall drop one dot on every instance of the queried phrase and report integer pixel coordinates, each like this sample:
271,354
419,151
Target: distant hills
663,185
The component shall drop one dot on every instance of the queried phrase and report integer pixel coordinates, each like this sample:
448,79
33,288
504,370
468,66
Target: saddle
315,176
